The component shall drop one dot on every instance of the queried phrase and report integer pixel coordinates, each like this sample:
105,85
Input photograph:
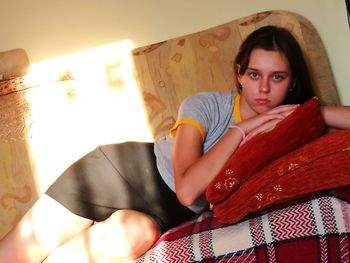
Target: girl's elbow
184,198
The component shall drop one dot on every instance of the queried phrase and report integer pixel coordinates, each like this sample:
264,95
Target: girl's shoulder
211,97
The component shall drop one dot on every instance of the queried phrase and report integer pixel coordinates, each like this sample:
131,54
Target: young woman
114,203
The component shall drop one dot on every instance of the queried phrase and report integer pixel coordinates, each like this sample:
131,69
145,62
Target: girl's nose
264,87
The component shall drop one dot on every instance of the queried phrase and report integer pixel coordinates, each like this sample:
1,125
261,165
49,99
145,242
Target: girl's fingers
262,128
274,115
284,108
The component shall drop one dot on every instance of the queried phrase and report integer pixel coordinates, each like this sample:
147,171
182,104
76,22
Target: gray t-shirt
211,113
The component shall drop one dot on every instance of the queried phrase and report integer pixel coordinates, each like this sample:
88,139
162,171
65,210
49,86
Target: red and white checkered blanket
316,230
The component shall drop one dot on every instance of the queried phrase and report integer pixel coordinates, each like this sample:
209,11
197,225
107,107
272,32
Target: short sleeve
195,110
209,112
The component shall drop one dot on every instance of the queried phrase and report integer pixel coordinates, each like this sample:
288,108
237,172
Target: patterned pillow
320,165
303,125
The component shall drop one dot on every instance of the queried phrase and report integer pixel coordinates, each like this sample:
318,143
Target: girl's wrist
241,131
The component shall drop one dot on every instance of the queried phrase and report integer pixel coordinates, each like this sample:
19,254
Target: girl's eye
253,75
277,77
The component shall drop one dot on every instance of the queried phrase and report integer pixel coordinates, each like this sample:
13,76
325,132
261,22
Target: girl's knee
127,233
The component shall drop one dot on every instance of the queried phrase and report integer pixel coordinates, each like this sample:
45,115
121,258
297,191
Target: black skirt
119,176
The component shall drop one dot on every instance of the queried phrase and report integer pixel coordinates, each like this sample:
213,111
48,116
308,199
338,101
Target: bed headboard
171,70
13,63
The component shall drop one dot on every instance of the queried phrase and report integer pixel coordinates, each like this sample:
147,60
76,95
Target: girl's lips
262,101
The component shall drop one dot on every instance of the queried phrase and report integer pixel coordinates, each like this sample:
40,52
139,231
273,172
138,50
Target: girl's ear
238,67
238,75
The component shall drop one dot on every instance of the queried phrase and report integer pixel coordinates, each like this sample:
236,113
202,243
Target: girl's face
265,83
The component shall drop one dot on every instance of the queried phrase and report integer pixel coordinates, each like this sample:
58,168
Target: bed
314,228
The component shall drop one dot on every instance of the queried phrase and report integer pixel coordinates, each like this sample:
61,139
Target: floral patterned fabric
320,165
302,126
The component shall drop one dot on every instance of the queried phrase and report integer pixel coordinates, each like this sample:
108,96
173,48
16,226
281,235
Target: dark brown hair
279,39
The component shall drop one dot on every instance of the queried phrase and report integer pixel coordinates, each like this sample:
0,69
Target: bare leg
44,227
126,234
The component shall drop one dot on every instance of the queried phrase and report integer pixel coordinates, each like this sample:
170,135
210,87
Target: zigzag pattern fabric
316,230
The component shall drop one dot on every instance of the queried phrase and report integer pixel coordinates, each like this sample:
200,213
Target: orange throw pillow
303,125
320,165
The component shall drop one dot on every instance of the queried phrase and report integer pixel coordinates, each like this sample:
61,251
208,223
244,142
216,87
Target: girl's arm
337,117
194,170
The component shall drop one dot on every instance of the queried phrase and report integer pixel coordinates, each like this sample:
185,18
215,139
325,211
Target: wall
48,30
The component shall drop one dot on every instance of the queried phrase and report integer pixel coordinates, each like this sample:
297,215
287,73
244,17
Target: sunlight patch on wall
80,101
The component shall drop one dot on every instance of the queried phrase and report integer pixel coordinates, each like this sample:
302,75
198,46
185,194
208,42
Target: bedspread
316,230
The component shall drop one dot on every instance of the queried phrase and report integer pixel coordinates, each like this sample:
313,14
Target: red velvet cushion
320,165
300,127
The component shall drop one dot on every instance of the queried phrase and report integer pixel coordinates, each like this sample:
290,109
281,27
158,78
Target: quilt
314,230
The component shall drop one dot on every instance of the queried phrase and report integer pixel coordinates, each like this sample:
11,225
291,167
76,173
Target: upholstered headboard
165,73
171,70
16,172
13,63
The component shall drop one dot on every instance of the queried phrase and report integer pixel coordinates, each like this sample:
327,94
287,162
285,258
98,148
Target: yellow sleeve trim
190,121
236,111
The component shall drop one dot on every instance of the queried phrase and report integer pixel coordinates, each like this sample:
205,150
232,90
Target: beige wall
54,28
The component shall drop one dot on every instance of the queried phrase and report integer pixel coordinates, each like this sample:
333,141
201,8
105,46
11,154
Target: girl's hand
265,121
267,126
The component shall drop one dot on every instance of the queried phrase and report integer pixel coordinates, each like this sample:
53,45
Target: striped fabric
315,230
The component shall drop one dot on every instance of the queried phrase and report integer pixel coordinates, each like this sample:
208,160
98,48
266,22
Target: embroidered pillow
320,165
303,125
